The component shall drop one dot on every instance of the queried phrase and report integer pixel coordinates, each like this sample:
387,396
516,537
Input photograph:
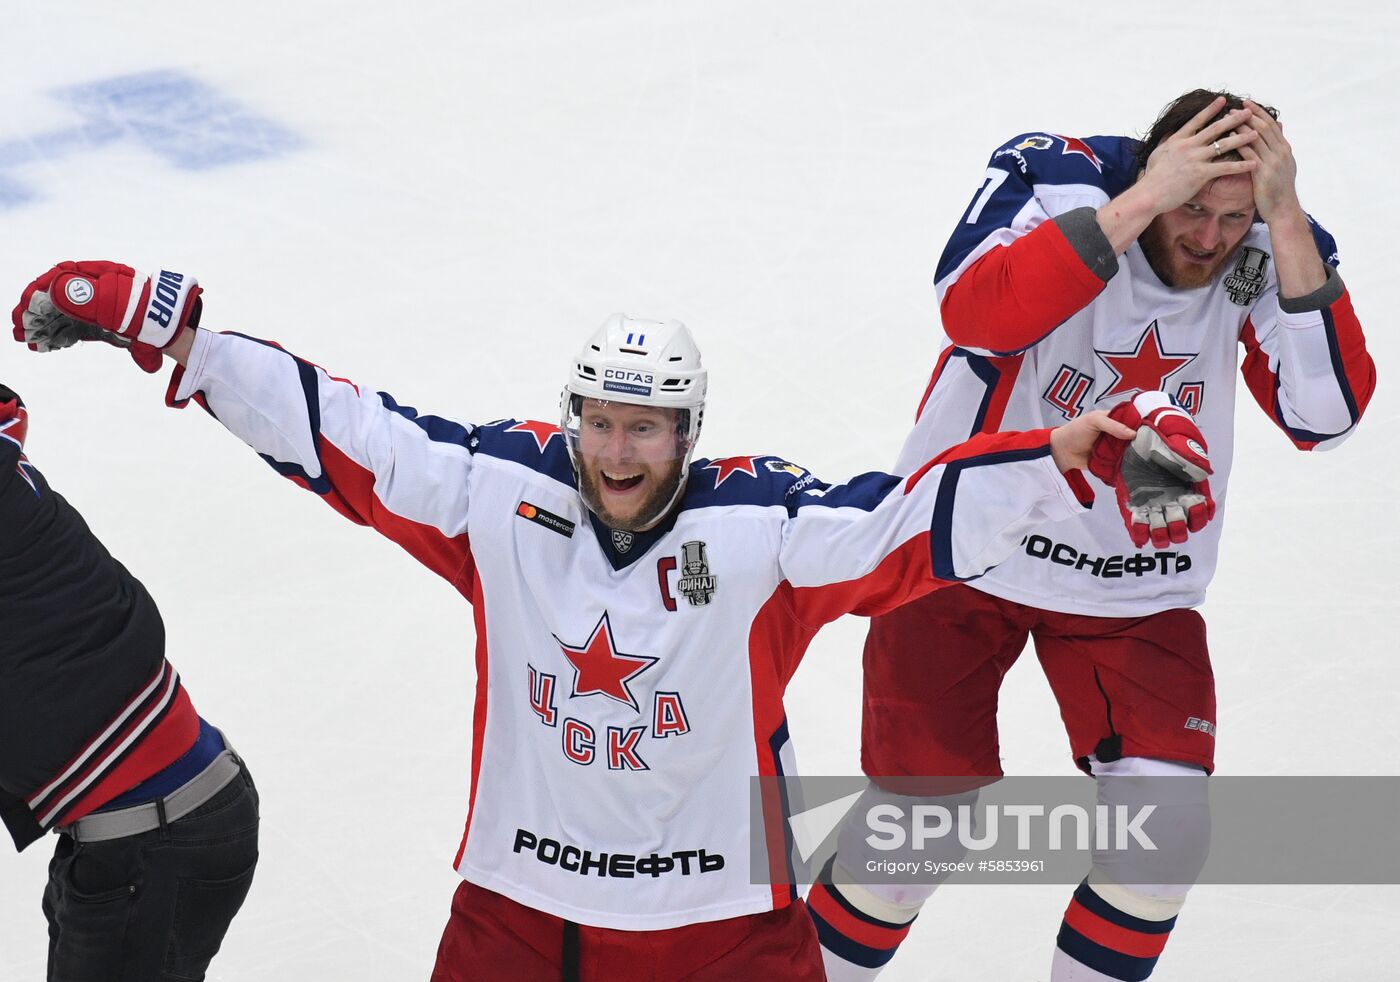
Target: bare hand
1275,172
1188,160
1071,444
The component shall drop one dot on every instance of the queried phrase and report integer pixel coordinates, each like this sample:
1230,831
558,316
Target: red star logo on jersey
1075,145
542,432
600,668
726,466
1143,369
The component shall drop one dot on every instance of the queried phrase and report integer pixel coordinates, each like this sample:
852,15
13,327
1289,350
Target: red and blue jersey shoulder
768,480
535,444
1108,162
761,479
1036,160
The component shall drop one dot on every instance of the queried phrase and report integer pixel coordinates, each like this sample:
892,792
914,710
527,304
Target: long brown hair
1179,112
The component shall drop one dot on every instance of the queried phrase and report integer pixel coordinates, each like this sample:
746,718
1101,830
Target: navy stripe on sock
1095,904
824,883
852,951
1112,963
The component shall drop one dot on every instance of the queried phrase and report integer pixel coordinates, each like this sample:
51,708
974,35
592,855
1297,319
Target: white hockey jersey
627,690
1037,337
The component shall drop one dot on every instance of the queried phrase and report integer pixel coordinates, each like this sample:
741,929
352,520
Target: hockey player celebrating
100,742
638,613
1084,272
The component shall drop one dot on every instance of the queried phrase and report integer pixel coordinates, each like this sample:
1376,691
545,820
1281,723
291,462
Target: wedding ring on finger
1215,145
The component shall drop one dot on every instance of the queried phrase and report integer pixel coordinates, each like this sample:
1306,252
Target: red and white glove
1160,476
102,301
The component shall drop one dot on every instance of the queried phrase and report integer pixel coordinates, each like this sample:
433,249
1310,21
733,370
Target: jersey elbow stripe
1334,349
989,376
998,380
1267,386
941,529
1308,439
942,555
1302,438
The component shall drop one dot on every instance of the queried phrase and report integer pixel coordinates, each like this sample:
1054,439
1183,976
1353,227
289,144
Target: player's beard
1170,268
648,513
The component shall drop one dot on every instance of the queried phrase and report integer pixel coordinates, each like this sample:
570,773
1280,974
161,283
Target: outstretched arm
878,541
374,461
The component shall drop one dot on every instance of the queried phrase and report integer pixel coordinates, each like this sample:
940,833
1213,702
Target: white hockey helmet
645,363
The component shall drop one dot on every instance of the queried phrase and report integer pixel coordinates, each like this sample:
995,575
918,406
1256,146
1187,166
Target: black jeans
153,907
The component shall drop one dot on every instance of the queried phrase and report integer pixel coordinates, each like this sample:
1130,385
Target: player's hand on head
1275,174
105,301
1190,158
1159,476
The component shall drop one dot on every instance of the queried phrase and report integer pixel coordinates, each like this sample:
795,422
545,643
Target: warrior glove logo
79,291
696,584
1246,280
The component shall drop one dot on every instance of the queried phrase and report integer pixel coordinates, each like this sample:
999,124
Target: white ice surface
480,184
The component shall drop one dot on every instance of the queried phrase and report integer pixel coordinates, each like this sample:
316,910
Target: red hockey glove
1160,476
92,301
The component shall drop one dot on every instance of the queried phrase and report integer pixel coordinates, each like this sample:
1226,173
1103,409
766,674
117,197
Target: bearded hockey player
1084,273
638,613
